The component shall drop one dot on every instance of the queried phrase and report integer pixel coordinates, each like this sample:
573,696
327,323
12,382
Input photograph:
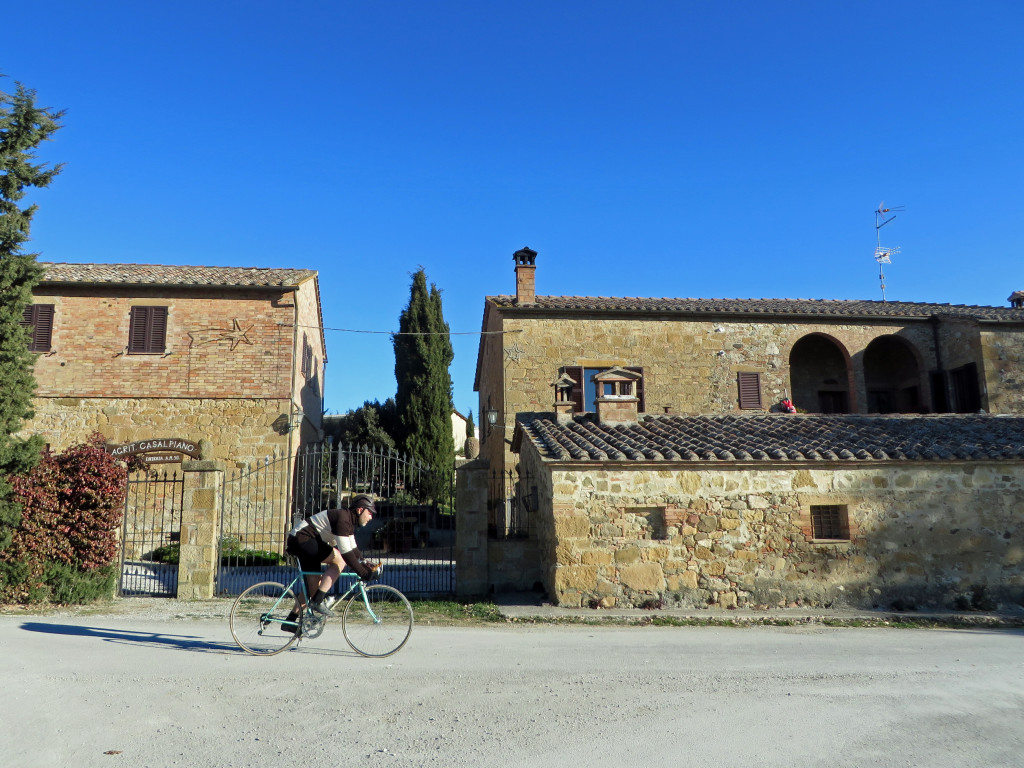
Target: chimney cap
1017,299
524,256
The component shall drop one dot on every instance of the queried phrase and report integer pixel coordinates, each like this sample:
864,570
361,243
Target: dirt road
146,691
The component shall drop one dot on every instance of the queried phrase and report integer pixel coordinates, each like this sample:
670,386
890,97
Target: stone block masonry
240,431
920,535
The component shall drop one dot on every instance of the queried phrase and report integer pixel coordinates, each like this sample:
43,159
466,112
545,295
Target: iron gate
255,519
413,532
150,535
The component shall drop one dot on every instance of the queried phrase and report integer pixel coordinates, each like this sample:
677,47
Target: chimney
526,290
1017,299
564,404
617,402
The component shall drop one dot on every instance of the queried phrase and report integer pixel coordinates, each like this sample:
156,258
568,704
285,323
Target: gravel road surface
153,690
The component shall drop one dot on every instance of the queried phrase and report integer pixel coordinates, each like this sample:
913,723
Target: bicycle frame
300,579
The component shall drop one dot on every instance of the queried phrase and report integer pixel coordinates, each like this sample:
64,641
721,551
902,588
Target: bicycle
376,622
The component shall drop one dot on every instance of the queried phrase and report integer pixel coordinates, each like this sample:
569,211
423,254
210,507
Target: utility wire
405,333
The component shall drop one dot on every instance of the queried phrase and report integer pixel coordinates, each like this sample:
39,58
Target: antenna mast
883,255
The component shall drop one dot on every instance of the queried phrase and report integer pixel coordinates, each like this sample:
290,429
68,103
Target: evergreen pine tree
423,352
23,127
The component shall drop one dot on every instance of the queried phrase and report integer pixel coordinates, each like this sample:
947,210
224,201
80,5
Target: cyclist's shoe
290,624
374,572
322,607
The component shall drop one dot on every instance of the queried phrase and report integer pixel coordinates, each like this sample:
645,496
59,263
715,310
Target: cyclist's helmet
362,501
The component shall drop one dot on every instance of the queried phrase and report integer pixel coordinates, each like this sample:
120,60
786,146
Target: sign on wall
156,451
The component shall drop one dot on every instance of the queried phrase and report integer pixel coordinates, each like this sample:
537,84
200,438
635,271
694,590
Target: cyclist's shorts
310,550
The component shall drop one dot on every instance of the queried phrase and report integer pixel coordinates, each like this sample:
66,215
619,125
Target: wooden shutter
750,390
147,330
158,329
39,318
576,393
307,357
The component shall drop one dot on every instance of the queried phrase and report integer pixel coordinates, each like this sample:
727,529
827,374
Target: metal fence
511,504
256,514
413,532
151,535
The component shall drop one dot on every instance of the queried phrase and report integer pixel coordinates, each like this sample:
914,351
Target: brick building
648,444
230,357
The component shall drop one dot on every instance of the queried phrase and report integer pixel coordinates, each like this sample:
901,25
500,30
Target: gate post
471,566
200,527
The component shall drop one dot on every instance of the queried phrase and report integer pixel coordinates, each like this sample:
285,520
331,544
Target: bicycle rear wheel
257,616
385,630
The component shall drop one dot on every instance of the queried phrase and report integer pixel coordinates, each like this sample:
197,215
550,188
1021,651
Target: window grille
829,521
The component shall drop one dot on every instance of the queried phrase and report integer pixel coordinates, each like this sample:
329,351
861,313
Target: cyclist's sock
290,625
319,597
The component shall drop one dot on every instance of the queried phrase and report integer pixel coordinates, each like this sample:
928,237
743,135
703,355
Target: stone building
585,399
230,357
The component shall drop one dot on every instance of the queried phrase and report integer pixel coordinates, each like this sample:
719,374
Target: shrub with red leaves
72,506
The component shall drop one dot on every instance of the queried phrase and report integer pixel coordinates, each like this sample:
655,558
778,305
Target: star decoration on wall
514,352
236,335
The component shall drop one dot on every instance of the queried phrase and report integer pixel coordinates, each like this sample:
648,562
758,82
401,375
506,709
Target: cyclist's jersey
335,526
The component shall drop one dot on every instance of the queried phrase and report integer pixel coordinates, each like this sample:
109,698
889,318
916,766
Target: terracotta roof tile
773,307
783,437
159,274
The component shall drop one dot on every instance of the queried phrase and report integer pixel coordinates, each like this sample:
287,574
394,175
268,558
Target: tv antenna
883,255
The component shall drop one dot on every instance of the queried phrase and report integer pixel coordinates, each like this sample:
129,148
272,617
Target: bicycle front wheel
257,618
379,626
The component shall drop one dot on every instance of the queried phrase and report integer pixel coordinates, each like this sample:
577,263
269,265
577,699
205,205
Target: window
966,392
829,521
750,390
147,331
39,319
307,357
584,391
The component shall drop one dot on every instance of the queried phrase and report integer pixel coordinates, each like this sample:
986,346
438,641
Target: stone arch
820,375
892,376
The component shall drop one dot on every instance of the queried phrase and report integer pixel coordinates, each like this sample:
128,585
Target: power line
405,333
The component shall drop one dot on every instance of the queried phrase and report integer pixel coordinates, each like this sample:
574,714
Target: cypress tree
23,127
423,352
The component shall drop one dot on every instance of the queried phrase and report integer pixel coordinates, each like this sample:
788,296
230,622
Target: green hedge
230,554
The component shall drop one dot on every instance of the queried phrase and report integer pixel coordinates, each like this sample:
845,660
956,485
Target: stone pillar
200,528
471,566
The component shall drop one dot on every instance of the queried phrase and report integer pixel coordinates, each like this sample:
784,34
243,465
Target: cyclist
329,537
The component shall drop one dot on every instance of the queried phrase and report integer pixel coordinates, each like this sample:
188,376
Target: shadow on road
192,643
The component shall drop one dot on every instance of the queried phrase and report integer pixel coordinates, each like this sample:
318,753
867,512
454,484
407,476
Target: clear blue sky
732,149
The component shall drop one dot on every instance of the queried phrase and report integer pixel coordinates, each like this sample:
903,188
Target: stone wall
1003,352
688,365
230,372
240,431
923,535
485,566
309,389
691,365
